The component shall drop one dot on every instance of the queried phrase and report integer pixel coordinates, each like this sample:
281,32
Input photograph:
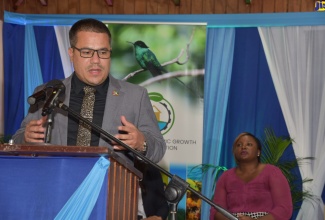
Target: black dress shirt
76,97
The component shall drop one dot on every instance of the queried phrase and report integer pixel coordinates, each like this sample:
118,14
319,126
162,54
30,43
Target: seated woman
252,190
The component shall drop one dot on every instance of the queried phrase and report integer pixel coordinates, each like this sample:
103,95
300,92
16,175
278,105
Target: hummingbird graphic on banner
148,61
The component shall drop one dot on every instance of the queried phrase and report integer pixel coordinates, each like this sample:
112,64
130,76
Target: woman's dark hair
88,24
258,142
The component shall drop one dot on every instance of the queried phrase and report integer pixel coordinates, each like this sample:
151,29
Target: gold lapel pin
115,93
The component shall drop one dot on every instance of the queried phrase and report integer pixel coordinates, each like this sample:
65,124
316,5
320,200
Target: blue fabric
38,187
32,70
27,66
48,53
212,20
13,48
253,103
218,68
81,204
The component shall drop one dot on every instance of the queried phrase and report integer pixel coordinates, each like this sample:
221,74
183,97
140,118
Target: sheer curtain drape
296,57
62,33
81,203
32,69
218,68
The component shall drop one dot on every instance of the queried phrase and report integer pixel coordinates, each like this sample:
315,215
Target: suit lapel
62,116
111,118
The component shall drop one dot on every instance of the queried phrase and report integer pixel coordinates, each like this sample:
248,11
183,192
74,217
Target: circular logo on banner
163,110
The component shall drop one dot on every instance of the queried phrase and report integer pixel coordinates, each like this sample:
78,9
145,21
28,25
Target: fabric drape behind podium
39,187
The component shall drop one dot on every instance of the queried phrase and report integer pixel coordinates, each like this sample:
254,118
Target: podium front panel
39,180
38,187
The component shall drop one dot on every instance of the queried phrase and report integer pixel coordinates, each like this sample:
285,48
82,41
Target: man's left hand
130,135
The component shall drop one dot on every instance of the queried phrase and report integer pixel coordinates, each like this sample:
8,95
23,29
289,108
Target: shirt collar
78,85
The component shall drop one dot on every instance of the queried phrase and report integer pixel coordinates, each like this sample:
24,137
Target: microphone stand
48,107
175,189
47,137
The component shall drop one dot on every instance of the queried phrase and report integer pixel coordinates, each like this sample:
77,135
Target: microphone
58,89
41,95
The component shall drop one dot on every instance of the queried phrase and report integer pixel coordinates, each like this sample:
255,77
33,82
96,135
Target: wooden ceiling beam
177,2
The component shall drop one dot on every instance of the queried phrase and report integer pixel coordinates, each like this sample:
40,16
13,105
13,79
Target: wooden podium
122,183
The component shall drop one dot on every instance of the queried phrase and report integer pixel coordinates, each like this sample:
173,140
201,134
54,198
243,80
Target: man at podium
118,107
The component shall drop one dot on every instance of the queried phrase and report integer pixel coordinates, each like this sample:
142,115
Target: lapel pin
115,93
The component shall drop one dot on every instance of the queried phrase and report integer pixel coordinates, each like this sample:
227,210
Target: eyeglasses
89,53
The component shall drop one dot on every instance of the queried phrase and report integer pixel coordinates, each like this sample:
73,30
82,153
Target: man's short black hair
88,24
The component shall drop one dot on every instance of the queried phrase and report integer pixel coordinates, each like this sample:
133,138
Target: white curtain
296,58
62,33
2,121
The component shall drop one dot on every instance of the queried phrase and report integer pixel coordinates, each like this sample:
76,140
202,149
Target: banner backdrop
176,92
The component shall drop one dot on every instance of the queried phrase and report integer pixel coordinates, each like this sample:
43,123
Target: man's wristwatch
144,149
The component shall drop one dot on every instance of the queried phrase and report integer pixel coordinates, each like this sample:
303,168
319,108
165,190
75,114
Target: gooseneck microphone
57,90
41,95
50,94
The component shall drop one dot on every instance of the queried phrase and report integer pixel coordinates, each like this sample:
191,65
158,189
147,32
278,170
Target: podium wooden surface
123,178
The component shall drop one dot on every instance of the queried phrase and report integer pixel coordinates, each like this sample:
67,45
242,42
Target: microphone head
49,87
55,83
36,97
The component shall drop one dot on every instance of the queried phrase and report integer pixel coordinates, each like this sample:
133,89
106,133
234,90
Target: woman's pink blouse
268,192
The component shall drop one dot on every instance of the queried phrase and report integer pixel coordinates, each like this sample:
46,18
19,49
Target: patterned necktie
84,131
